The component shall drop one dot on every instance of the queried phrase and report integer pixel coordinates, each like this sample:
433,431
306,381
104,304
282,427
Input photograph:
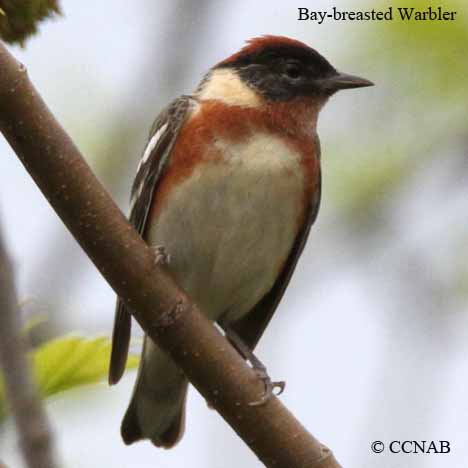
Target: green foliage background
67,363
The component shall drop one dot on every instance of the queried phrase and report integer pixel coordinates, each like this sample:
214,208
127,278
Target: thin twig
162,309
22,395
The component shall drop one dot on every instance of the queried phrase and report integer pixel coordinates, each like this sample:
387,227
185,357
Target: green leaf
69,362
20,19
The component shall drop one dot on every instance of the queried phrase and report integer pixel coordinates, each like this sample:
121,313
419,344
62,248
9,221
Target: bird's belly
230,226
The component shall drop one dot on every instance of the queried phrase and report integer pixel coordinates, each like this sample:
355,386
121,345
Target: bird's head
280,69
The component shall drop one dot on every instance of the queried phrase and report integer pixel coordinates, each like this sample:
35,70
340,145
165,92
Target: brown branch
21,391
163,310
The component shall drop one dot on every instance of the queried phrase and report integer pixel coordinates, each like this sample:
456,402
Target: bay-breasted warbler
227,188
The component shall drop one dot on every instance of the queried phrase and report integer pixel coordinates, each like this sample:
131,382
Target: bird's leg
257,366
161,255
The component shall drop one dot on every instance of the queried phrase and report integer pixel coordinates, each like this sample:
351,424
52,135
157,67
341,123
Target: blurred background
372,335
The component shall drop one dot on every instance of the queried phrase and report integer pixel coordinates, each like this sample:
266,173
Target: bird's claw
269,390
161,255
258,367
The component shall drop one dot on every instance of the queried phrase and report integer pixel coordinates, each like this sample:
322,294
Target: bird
226,191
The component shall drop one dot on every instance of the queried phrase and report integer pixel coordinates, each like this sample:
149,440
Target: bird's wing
162,137
251,327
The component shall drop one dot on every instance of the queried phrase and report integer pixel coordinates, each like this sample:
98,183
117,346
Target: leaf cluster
19,19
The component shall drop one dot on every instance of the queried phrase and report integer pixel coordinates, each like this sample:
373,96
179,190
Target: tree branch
21,391
162,309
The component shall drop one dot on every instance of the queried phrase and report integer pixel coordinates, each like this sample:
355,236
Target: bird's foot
161,256
258,367
269,387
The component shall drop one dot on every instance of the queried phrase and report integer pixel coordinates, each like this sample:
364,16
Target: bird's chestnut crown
281,69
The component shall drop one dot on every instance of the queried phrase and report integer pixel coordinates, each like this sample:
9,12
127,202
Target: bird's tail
157,408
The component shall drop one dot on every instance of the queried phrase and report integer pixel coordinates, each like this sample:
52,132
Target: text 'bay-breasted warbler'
227,189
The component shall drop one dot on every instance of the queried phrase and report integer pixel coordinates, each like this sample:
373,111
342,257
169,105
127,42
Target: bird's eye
293,70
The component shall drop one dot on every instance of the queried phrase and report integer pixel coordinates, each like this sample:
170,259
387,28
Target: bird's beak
343,81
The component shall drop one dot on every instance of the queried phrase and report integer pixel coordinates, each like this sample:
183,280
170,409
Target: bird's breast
231,222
